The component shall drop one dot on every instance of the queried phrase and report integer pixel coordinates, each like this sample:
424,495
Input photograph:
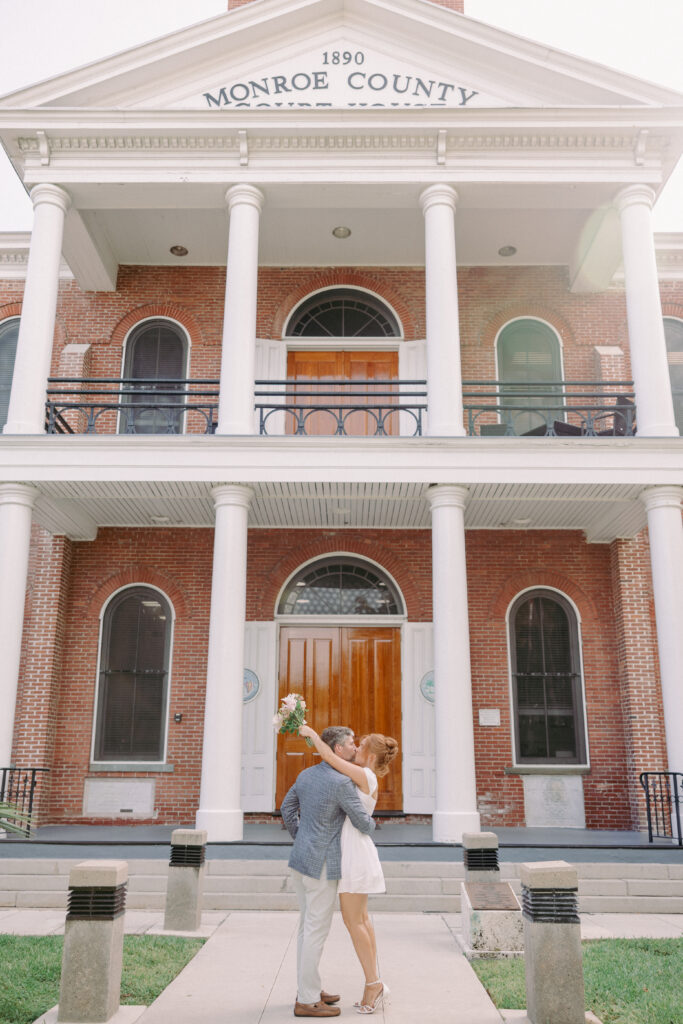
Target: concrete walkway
245,973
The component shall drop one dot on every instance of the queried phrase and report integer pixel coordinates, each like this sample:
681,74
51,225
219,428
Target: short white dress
361,870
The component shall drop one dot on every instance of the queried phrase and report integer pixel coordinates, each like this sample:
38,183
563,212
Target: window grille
9,334
340,587
343,313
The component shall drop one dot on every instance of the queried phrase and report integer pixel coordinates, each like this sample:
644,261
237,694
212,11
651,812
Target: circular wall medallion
427,686
250,686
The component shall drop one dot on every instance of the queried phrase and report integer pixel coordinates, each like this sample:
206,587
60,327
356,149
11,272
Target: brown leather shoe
319,1009
325,997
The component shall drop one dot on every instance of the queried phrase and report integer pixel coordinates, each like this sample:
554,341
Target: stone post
185,880
90,988
480,854
552,944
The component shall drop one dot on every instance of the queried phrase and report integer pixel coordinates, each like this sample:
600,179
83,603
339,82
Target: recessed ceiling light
160,520
507,250
341,232
521,522
178,250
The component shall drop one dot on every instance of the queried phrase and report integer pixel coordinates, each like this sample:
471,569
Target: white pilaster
456,796
26,413
236,402
220,811
16,504
444,375
654,404
665,527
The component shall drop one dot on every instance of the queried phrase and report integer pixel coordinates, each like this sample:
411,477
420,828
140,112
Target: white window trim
370,620
345,287
525,765
142,766
188,356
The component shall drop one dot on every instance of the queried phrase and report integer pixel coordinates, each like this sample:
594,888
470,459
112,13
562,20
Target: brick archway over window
514,585
142,575
528,311
325,547
344,279
164,310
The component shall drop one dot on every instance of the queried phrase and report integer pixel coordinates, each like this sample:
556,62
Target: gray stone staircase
412,886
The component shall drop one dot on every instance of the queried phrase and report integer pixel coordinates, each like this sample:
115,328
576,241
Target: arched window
134,671
529,365
546,680
9,333
156,357
340,586
673,332
343,313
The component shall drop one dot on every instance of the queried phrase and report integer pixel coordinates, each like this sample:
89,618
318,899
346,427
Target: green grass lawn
30,968
628,981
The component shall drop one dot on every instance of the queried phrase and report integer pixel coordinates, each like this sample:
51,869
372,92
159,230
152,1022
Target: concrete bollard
185,880
480,855
552,943
90,986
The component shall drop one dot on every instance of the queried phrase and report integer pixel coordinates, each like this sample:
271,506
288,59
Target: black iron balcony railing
340,407
554,409
664,804
17,798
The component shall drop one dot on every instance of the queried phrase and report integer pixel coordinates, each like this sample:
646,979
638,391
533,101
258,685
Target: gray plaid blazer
313,812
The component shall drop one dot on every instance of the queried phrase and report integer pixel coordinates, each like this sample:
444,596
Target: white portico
436,142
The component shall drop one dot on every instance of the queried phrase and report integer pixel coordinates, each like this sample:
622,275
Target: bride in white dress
361,871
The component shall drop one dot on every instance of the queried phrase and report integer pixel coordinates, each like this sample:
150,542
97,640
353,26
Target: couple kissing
328,814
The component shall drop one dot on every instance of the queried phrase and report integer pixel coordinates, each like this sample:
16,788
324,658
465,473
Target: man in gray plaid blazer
313,812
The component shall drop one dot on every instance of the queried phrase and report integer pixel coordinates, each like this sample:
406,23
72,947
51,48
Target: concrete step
412,886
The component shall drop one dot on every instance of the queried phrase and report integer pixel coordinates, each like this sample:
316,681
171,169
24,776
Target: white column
16,504
238,359
456,794
444,375
665,527
220,810
647,344
26,413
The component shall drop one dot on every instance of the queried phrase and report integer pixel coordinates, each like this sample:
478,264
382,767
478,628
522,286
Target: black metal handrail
17,797
129,405
331,406
663,799
566,408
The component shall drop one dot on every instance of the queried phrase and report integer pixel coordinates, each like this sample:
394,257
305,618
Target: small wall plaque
250,686
489,716
427,686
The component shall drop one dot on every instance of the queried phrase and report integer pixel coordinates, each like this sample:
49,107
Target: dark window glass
156,357
9,333
343,313
529,364
340,587
134,665
673,331
546,680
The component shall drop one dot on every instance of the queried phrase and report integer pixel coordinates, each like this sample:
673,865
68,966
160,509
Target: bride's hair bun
385,749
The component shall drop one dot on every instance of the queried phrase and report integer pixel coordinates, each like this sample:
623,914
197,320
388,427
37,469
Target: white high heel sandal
379,999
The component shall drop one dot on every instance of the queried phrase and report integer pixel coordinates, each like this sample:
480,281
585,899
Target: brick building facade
527,435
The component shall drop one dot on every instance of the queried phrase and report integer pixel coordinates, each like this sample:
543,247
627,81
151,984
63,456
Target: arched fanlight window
546,680
673,332
134,671
529,364
343,313
156,357
9,333
340,586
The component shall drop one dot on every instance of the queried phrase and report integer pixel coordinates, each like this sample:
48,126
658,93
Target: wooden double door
348,675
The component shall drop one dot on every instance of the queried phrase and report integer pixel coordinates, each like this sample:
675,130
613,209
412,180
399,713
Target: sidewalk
245,973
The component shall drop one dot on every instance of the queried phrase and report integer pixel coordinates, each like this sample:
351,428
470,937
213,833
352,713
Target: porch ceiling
604,512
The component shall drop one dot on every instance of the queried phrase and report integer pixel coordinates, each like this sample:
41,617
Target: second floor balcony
333,407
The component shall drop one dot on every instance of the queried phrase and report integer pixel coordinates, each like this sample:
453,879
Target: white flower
277,721
290,701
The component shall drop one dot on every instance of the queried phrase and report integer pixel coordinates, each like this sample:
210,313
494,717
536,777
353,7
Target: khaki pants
316,906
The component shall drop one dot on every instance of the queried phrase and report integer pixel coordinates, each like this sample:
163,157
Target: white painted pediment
339,54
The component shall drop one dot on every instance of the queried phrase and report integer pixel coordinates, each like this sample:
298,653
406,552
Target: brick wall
500,564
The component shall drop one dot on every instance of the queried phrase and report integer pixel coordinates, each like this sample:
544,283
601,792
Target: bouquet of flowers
291,715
